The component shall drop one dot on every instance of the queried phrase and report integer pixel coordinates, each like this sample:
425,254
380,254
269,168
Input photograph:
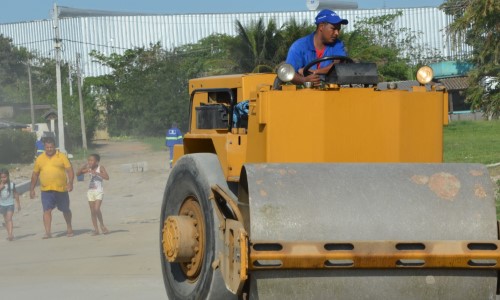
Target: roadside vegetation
472,142
475,142
476,22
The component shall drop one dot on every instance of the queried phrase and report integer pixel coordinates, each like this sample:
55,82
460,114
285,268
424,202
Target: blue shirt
174,136
40,147
303,52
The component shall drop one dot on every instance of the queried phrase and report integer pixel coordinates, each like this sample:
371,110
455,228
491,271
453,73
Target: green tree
43,73
13,71
209,56
145,92
14,88
256,46
376,39
290,32
477,23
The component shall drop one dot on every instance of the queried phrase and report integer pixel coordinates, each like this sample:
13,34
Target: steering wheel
342,59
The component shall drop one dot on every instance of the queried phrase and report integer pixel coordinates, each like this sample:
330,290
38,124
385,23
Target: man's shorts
5,209
94,195
53,199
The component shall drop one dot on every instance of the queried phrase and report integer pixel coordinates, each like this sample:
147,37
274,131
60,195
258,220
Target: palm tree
256,45
291,32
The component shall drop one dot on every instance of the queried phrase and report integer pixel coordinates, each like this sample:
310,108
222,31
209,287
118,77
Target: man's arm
300,79
34,179
71,177
325,70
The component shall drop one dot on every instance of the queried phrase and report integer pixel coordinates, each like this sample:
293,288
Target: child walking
95,193
7,195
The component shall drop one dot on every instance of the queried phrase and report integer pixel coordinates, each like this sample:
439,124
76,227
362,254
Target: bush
16,146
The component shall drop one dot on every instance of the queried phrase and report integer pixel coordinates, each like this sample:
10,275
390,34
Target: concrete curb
23,187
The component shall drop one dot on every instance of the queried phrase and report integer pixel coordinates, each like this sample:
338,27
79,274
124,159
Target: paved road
121,265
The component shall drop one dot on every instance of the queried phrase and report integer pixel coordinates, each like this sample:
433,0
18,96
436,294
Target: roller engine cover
359,73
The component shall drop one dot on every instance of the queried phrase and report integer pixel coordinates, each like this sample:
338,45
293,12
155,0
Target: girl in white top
7,195
96,192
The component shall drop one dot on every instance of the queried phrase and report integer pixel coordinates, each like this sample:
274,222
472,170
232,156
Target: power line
93,44
34,42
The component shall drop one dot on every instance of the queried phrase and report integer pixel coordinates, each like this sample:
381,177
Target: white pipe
330,4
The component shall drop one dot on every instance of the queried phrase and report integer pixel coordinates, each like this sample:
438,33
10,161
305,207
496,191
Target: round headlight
425,75
285,72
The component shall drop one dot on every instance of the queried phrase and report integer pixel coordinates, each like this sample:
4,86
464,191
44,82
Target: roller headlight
425,75
285,72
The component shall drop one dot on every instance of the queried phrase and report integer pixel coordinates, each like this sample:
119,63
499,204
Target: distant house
6,111
4,124
456,87
9,111
453,75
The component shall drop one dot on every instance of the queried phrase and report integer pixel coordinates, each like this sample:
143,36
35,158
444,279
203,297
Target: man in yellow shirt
56,180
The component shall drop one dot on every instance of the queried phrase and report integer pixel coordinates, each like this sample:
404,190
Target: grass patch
80,153
156,143
475,142
497,198
472,142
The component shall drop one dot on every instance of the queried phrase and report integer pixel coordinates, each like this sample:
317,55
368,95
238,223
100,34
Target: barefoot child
7,195
95,193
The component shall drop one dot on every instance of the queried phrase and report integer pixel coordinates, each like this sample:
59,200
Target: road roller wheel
189,240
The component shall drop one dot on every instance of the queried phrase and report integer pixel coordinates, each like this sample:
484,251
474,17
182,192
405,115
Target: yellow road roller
329,191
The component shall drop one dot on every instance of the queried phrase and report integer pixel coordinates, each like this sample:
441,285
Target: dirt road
123,264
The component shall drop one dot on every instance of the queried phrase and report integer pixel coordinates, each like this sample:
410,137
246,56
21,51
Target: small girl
95,193
7,195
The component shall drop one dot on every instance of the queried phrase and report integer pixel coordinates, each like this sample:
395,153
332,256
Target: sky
12,11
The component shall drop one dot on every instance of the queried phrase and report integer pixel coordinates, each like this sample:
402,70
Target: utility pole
82,117
70,80
31,97
57,47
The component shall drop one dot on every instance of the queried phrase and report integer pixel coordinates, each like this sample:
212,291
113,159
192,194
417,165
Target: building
82,31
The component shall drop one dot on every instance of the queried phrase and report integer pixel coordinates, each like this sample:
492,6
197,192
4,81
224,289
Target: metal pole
57,47
31,98
70,80
82,117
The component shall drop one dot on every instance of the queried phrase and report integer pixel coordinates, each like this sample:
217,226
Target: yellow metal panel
253,83
329,125
247,84
257,131
236,154
230,149
225,81
220,144
178,152
348,125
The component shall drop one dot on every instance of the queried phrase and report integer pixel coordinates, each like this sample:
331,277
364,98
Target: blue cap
329,16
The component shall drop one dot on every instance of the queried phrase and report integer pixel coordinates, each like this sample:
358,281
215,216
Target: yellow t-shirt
52,171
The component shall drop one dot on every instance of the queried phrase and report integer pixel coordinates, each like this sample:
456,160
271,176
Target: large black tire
192,177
